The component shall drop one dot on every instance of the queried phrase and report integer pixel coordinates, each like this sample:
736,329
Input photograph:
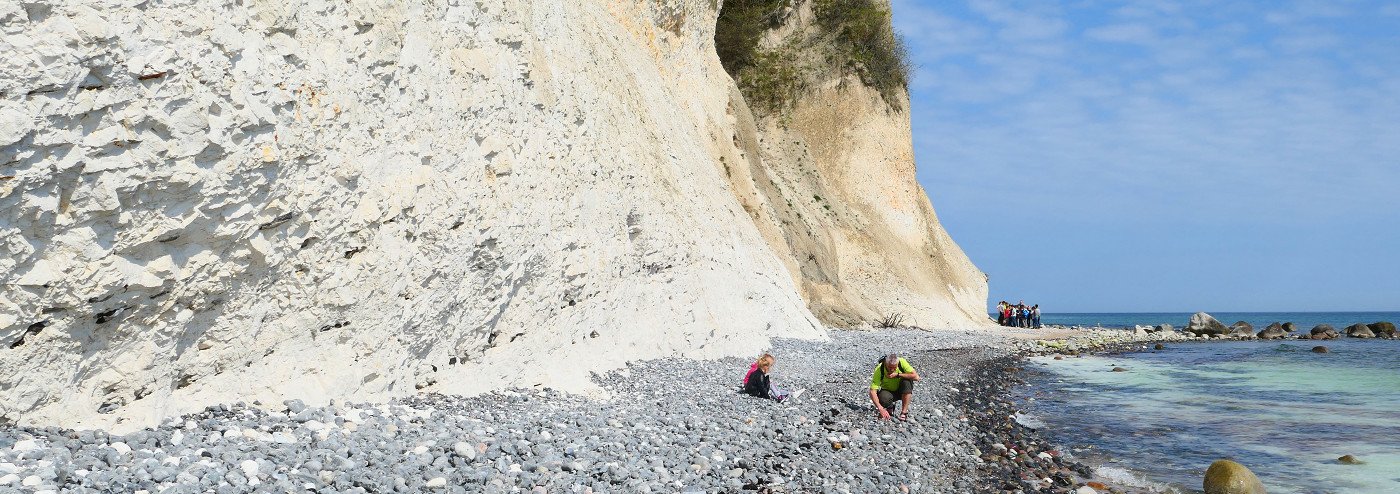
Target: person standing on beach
1035,316
1001,313
893,380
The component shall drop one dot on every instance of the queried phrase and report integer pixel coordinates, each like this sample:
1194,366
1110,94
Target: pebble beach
670,425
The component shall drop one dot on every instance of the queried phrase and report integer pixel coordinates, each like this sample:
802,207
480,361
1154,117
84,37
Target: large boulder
1382,329
1203,325
1228,477
1290,327
1241,330
1323,332
1359,330
1273,332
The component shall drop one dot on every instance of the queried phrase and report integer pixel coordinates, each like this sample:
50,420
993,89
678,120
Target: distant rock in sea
1203,324
1382,329
1241,329
1324,332
1273,332
1290,327
1359,330
1320,349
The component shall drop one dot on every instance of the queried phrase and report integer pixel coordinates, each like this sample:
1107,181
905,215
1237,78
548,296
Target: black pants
890,400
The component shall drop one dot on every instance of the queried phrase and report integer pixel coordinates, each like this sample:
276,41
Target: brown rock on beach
1228,477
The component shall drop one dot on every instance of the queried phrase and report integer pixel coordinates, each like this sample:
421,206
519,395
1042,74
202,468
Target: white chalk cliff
206,202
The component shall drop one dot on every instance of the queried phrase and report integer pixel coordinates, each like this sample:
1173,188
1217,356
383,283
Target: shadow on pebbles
670,425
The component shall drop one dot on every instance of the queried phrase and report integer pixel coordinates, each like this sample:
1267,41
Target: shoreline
1149,480
670,425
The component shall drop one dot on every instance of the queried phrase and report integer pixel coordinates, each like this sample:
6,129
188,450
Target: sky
1175,156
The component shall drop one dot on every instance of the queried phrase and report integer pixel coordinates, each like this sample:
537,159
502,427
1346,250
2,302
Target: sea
1282,410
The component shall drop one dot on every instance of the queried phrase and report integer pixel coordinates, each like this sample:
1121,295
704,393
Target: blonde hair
765,362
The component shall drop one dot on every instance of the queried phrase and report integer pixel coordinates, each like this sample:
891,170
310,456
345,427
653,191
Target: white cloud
1019,25
1230,111
1201,119
1123,33
1307,42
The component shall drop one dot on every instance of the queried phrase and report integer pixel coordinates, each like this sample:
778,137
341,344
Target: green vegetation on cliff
850,36
770,79
867,44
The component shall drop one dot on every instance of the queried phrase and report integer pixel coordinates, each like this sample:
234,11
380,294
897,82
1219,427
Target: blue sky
1162,155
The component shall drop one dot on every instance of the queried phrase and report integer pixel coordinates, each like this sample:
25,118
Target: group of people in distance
891,385
1019,315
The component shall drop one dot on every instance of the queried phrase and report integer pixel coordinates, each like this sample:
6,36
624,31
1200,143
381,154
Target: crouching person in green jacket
894,379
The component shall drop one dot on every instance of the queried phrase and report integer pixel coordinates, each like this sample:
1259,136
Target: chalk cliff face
831,185
209,201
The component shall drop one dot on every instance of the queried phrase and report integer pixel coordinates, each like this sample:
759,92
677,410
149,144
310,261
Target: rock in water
1228,477
1119,369
1203,324
1359,330
1382,329
1324,332
1350,460
1321,349
1273,332
1242,325
1290,327
1165,327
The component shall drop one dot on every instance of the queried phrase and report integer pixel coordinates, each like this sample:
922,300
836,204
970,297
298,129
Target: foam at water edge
1028,420
1122,477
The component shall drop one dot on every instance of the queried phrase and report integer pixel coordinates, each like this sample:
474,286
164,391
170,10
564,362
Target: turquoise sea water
1304,320
1280,409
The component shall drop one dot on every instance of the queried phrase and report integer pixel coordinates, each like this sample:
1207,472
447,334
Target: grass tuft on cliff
867,44
740,28
853,36
770,78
